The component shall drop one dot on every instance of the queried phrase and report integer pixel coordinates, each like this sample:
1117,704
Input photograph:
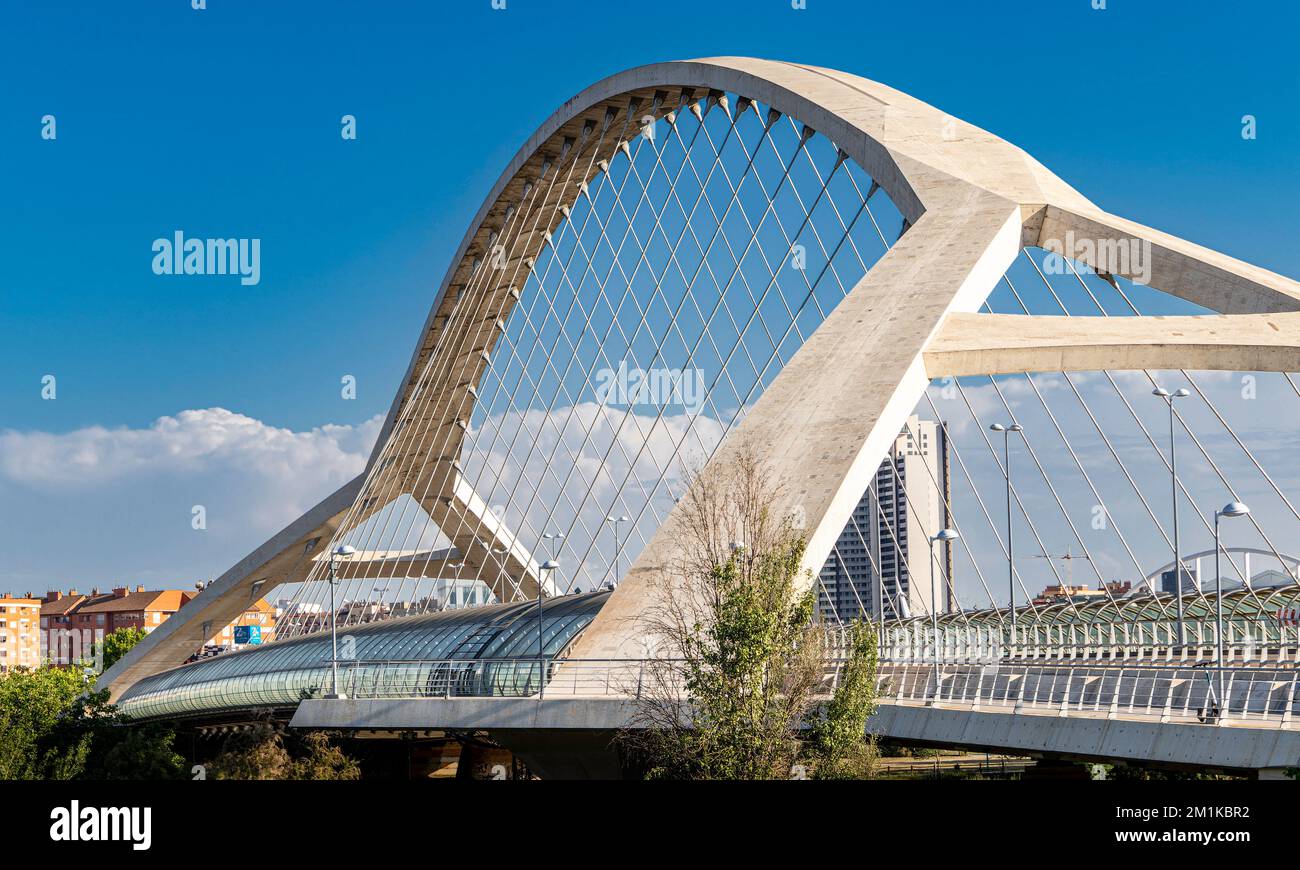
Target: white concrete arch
1193,558
971,201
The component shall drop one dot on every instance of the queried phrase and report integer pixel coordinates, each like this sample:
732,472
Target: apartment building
872,565
20,645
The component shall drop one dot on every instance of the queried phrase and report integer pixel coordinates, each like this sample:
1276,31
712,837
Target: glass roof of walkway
1260,603
407,654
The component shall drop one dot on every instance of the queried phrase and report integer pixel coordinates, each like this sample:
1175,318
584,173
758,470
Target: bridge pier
561,738
566,754
1274,773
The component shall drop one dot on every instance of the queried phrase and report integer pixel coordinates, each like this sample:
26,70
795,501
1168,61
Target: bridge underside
576,737
1098,739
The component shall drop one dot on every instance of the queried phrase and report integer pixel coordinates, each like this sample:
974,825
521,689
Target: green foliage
837,730
33,745
743,670
53,725
143,751
1152,774
739,690
119,643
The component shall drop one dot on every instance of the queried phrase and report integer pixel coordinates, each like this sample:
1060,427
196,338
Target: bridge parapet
1149,689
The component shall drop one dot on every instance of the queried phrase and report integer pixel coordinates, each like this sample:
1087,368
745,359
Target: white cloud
191,442
566,469
96,505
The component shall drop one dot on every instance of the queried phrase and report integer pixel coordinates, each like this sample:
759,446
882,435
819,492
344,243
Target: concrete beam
557,738
487,714
486,542
285,558
993,344
541,725
476,534
1102,739
1176,266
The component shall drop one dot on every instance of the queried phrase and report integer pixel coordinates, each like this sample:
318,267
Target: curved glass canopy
473,651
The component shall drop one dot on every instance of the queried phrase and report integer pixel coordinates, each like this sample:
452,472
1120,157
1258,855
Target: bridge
690,260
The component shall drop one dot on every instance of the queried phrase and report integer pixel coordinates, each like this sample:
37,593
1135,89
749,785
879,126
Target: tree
35,741
143,751
262,752
738,685
254,753
320,759
54,725
118,643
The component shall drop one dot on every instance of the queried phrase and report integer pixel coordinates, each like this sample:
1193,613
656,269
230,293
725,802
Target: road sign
248,634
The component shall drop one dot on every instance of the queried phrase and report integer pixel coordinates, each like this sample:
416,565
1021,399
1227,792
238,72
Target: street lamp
557,541
549,565
1173,476
341,551
945,537
1011,569
1231,509
618,544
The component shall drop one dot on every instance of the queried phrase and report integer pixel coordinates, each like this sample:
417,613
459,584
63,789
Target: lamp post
1173,476
557,541
498,552
1231,509
550,565
945,537
618,544
341,551
1011,568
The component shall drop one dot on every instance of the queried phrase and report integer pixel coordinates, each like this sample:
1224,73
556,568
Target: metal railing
1151,689
483,678
1258,696
1254,695
1259,640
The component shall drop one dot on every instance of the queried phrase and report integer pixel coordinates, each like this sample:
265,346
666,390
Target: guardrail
1258,696
1188,654
1266,637
477,678
1254,695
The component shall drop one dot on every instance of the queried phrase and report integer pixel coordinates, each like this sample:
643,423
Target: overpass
1133,698
689,261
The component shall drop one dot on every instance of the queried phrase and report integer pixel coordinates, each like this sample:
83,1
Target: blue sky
225,121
